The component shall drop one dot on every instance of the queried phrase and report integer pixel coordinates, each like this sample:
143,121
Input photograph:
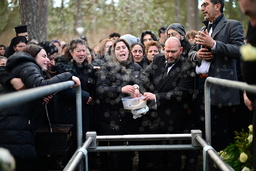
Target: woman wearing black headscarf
17,44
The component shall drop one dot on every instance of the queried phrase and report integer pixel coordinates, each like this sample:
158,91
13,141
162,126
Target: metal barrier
21,97
197,142
207,98
196,138
24,96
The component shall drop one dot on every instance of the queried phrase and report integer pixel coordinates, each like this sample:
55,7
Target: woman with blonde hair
152,48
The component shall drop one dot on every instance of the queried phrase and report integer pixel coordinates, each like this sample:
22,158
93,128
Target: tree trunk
78,16
192,15
131,17
177,11
63,27
43,19
34,13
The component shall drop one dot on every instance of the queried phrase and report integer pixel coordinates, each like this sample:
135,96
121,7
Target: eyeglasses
205,4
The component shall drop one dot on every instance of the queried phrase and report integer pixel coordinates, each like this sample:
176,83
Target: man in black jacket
171,84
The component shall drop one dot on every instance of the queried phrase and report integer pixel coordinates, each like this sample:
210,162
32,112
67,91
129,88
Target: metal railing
21,97
207,98
208,150
24,96
197,142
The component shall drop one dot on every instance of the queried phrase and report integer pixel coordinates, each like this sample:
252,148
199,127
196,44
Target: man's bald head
173,40
172,50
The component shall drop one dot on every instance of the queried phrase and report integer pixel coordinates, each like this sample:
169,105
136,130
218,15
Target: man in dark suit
248,67
170,89
216,53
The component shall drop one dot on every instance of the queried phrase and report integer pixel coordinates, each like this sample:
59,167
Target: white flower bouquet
239,154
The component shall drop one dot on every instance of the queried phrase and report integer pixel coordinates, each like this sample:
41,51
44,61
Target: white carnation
243,157
246,169
7,161
250,128
250,137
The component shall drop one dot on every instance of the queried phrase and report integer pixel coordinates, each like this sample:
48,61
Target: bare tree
192,14
43,19
78,15
34,13
177,11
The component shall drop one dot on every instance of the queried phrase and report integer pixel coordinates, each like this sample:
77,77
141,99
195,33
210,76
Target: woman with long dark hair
119,77
19,123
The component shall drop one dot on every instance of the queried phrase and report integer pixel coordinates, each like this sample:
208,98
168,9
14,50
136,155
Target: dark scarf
215,22
251,35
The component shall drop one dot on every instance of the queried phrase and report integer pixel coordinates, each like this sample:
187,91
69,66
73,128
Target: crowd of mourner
163,73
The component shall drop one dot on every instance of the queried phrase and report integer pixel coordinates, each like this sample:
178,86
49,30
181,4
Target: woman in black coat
17,124
117,79
75,62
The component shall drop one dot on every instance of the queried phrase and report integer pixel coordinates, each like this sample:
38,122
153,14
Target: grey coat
228,35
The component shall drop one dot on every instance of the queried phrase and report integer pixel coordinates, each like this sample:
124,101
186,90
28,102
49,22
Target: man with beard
216,53
170,89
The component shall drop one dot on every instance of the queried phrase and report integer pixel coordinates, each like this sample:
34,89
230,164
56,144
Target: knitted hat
178,27
20,29
130,38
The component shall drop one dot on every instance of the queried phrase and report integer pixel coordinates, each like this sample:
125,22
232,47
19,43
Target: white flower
250,137
243,157
7,161
248,52
250,128
246,169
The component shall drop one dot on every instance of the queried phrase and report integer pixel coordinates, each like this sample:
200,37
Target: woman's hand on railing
76,80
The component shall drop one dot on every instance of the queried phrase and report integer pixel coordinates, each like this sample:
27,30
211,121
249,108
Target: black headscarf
16,40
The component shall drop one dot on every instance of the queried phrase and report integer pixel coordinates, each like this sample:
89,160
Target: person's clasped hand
47,99
131,90
149,96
